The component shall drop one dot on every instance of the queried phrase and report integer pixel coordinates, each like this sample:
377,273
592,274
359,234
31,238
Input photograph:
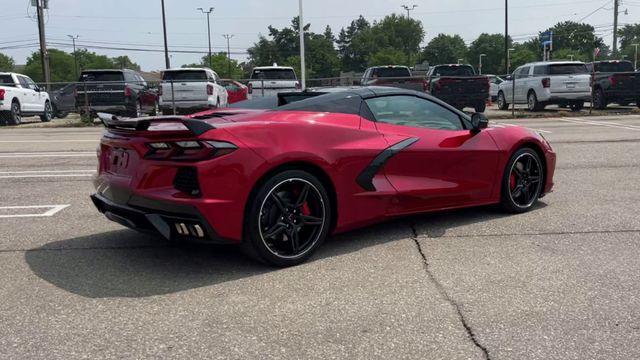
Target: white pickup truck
190,90
20,96
270,80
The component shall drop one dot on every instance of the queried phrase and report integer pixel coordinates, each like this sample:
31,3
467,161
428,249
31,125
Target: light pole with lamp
509,59
480,63
208,12
409,9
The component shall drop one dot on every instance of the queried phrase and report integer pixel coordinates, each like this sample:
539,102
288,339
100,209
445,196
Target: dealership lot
558,282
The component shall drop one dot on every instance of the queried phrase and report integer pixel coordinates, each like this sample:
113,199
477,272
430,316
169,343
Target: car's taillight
298,87
546,82
209,89
188,150
613,80
127,91
2,94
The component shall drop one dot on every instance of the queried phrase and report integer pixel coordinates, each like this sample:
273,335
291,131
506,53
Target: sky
134,24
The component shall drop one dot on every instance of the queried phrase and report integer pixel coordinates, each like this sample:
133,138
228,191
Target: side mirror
478,122
508,78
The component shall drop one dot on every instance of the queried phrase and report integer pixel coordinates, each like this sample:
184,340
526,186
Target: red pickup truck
393,76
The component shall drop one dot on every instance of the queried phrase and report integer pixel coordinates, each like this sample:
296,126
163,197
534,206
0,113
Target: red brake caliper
305,209
512,181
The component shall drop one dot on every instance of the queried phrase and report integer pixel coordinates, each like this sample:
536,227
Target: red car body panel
442,169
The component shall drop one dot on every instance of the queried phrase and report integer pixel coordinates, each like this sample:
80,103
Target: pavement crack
443,292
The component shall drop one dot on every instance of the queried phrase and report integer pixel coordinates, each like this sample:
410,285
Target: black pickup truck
459,86
614,81
120,92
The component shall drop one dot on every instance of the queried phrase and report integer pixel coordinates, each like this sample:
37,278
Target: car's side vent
186,180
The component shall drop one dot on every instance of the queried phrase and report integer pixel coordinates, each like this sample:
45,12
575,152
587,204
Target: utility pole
509,60
635,59
208,12
75,55
506,35
303,69
616,3
409,9
44,55
228,37
164,31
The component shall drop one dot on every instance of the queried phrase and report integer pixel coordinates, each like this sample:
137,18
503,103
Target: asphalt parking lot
560,282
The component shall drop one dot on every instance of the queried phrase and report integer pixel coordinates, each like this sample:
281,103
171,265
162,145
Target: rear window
273,74
390,72
617,66
102,76
6,80
453,71
185,75
565,69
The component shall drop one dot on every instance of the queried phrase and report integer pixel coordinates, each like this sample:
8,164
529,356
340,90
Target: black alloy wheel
48,113
523,181
288,220
599,101
15,117
502,102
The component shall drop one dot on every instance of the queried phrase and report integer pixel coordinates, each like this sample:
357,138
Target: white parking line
539,130
53,209
47,171
43,176
600,123
48,154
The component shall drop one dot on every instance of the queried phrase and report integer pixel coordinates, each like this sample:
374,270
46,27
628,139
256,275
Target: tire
137,112
599,101
48,113
502,102
520,192
532,102
577,106
15,116
275,207
480,107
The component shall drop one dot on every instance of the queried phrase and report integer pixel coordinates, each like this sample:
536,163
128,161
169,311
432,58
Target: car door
220,90
522,84
39,96
27,95
444,164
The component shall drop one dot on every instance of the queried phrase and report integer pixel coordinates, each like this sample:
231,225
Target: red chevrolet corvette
279,181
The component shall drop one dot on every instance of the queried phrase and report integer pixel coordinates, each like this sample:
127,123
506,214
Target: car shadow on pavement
124,263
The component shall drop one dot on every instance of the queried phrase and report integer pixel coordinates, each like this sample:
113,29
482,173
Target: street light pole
228,37
167,63
75,55
635,59
303,70
208,12
480,64
409,9
506,34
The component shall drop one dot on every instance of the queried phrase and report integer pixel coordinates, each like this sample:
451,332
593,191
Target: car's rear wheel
522,182
288,218
137,111
15,116
48,112
599,101
532,102
502,102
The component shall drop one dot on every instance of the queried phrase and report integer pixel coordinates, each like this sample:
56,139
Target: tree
6,63
387,56
220,64
492,45
400,33
522,54
352,59
629,35
445,49
579,37
123,62
61,66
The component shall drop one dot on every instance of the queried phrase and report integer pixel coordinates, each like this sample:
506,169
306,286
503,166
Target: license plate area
119,161
571,85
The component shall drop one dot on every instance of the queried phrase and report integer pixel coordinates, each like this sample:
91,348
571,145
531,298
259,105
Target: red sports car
236,91
279,181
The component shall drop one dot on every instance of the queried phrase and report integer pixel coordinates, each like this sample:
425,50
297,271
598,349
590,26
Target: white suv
269,80
194,89
543,83
19,96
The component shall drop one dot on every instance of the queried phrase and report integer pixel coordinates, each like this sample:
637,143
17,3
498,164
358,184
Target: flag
596,52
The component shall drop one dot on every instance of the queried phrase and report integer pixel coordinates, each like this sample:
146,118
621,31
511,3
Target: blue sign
546,38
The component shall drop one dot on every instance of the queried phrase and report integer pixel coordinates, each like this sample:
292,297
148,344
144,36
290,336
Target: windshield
454,71
102,76
391,72
565,69
274,74
184,75
617,66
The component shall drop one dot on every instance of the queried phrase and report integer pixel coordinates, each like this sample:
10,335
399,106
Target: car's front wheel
287,219
502,102
48,113
522,181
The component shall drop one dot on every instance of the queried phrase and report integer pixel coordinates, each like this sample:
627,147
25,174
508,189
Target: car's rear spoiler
110,121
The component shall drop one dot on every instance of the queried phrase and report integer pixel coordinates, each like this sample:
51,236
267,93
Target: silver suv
543,83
